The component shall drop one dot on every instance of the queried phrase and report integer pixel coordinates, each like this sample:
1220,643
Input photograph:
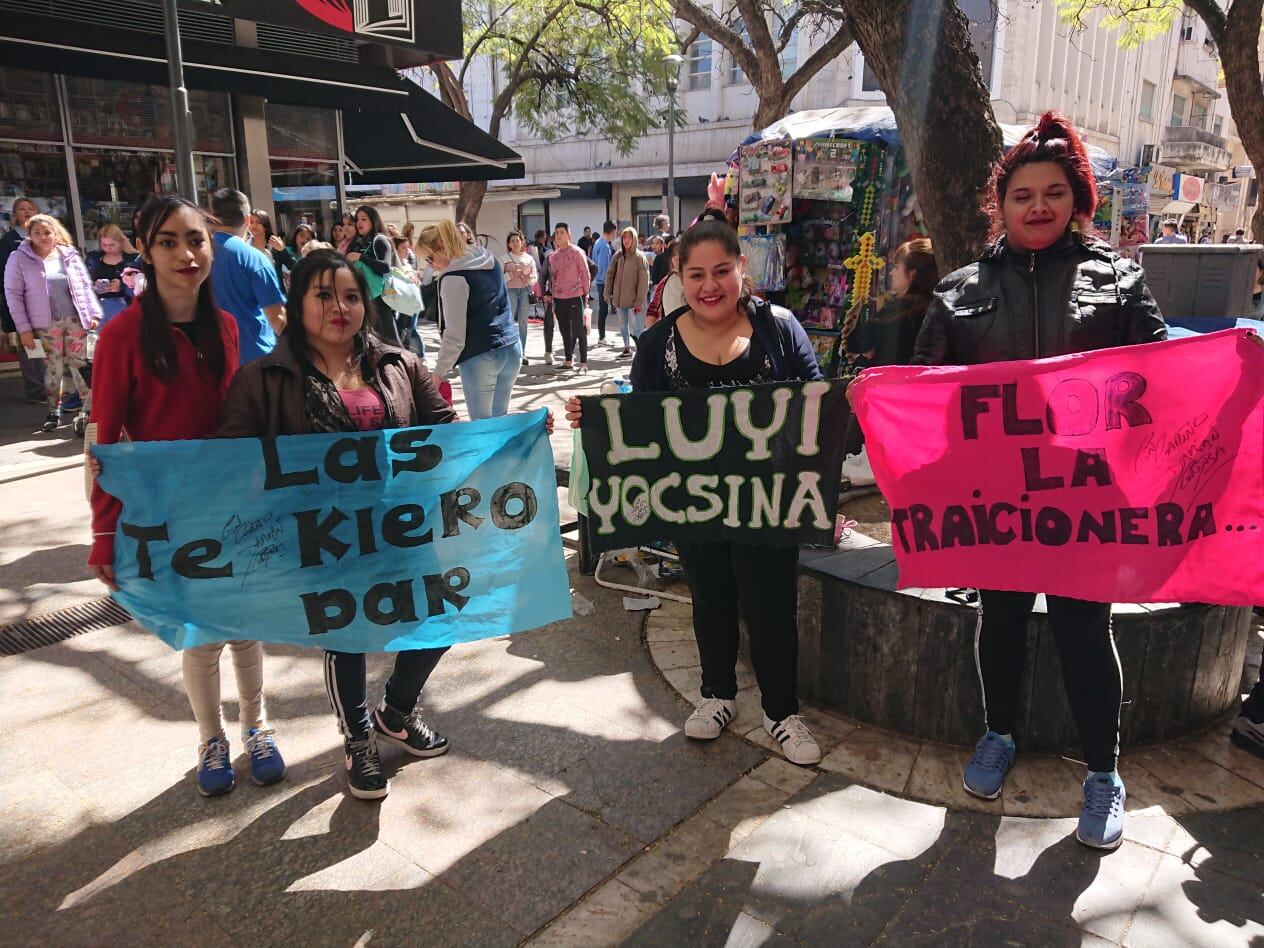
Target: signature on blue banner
360,542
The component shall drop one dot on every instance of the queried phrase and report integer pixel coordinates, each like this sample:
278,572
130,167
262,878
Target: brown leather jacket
266,398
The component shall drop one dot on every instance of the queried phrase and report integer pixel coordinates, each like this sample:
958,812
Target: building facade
1162,103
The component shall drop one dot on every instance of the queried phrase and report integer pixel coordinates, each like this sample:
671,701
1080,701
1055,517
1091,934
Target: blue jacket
778,332
601,253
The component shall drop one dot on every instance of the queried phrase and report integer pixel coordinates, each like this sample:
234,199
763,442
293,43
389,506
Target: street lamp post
181,122
672,63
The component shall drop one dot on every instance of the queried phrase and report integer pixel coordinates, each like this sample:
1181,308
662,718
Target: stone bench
904,659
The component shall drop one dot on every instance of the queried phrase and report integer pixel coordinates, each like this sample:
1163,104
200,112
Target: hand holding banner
1122,475
758,463
359,542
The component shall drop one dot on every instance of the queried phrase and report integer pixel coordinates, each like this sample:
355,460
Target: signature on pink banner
1123,475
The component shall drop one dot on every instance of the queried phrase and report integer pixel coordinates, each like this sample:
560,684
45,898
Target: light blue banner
361,542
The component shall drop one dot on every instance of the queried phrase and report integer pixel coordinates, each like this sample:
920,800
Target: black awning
45,44
427,141
393,131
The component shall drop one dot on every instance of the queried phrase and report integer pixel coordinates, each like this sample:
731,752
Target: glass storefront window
28,106
304,191
113,184
116,114
297,131
37,172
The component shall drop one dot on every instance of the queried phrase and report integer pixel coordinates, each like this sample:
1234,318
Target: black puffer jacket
1072,297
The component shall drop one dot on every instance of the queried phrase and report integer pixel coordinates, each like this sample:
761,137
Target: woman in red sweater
161,371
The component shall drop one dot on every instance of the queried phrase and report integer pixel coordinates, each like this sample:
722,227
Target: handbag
376,282
402,294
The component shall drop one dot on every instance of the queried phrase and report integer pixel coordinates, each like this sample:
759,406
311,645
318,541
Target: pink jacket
570,276
26,288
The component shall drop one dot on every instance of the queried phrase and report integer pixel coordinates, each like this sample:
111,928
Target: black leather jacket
1072,297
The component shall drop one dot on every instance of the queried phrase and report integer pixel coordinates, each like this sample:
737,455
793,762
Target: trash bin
1204,281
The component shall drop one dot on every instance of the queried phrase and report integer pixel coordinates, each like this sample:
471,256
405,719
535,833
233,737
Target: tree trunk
469,202
1240,58
773,103
920,51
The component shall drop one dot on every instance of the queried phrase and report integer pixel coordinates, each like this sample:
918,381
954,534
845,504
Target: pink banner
1122,475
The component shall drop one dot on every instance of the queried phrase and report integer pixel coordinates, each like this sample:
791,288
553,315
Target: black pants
348,691
603,310
763,582
548,328
1090,666
1253,706
854,439
570,319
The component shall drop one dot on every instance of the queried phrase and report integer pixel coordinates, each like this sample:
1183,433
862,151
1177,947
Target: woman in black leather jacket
1045,287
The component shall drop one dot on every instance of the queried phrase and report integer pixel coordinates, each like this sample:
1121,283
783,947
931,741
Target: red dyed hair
1053,139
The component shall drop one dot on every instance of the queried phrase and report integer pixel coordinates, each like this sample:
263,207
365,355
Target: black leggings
548,328
348,691
763,581
570,319
1090,666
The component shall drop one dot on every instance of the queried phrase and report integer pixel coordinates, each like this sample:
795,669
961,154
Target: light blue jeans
520,306
630,323
488,380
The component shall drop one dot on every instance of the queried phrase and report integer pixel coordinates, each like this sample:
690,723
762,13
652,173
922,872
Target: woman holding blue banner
162,368
329,374
726,338
1045,287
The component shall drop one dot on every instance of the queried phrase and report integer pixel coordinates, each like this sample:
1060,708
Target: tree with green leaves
921,52
562,67
1235,29
756,34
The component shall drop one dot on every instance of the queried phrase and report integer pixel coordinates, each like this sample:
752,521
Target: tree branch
1211,14
822,57
707,22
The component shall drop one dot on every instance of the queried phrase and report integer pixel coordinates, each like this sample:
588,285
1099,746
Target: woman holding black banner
162,368
726,339
1045,287
328,373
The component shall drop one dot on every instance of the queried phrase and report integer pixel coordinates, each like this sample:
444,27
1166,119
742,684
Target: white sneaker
796,741
548,358
710,718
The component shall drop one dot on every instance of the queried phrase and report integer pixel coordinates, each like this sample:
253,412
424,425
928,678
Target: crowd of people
218,327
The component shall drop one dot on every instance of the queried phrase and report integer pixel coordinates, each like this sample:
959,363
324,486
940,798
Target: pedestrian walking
372,252
1171,234
243,278
602,251
726,338
331,374
163,366
544,291
1045,288
477,333
1239,237
570,281
661,265
520,276
51,300
32,369
113,267
627,283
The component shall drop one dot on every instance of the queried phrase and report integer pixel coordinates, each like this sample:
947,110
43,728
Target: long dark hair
375,219
720,233
307,271
264,218
156,346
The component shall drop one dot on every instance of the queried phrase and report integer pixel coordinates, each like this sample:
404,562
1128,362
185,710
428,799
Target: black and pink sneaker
409,732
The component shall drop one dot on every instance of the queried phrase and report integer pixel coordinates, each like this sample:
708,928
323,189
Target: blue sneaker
266,763
72,402
1102,819
985,774
215,769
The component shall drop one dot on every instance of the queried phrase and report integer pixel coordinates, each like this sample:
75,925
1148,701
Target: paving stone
1216,748
1039,786
828,728
780,773
687,682
709,912
1189,775
670,609
671,781
750,712
36,810
669,655
874,758
747,799
534,870
1232,843
606,917
1197,906
669,633
936,776
667,866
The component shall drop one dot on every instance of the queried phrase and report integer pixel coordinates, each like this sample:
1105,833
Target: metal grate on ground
53,627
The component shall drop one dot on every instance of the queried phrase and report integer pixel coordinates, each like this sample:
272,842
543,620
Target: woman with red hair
1044,287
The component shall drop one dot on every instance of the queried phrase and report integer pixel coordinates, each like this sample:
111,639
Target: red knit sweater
128,398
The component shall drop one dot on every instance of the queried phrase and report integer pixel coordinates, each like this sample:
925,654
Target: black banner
758,464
